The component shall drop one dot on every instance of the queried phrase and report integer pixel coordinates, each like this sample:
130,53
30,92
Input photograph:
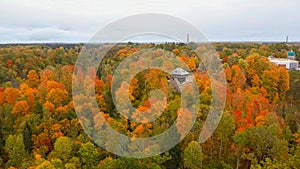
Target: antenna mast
187,38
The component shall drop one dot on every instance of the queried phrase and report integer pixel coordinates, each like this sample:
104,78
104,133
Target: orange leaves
270,79
237,115
127,51
183,58
184,121
296,138
99,86
46,75
53,84
99,120
176,51
255,116
142,114
191,63
61,111
133,87
202,81
2,98
284,82
10,63
57,96
49,106
259,120
29,93
154,77
238,78
45,87
33,79
11,95
56,127
142,130
21,108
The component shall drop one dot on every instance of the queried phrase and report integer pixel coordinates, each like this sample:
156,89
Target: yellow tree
33,79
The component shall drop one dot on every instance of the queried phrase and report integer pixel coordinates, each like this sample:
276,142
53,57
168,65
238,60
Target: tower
187,38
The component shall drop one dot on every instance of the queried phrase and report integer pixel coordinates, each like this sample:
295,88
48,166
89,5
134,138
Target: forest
39,127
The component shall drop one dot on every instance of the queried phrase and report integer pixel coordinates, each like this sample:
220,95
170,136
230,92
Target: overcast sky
77,20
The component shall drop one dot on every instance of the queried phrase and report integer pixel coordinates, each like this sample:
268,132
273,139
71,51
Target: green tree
193,155
63,148
27,134
89,155
16,150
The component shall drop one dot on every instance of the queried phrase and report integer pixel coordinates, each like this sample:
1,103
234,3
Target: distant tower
287,39
187,38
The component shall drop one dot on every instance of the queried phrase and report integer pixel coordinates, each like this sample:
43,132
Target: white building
179,78
289,64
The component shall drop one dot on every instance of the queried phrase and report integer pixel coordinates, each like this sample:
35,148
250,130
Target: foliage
39,127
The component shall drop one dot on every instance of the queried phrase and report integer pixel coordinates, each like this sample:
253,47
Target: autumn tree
11,95
27,138
32,79
193,155
89,155
63,148
15,148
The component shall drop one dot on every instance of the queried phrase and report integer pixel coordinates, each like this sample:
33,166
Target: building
291,55
179,78
202,67
289,64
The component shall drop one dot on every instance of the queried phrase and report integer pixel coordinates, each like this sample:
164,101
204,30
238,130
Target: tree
89,155
63,148
193,155
238,78
191,63
46,165
15,148
2,97
57,96
11,95
226,52
21,108
27,134
183,121
284,82
270,79
33,79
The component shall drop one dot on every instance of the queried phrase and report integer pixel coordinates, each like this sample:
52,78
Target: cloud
78,20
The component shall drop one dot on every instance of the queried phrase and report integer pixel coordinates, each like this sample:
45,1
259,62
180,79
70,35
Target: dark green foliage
27,133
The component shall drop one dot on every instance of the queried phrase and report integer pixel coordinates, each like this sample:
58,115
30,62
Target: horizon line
214,41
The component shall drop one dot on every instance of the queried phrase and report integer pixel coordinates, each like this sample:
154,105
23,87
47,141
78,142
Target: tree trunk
220,149
238,160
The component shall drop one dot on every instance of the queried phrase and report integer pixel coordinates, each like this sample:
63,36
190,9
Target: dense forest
39,127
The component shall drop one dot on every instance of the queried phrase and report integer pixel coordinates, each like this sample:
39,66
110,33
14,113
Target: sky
36,21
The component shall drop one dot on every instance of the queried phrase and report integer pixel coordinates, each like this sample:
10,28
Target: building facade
180,77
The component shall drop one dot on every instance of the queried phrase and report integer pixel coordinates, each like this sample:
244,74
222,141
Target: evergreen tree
27,133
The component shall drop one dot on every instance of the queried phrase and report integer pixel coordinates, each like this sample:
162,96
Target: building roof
281,60
179,71
291,53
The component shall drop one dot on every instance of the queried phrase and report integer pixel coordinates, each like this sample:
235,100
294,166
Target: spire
187,38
